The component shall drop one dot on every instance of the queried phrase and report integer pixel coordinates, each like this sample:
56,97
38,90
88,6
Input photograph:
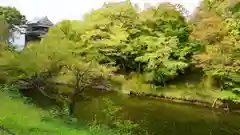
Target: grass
190,93
24,119
195,92
179,90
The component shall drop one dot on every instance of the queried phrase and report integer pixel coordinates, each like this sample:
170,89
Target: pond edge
218,104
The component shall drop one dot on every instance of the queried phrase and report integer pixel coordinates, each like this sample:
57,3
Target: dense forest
118,47
117,44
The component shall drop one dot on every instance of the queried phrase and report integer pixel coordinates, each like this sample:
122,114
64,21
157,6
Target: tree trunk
72,103
73,95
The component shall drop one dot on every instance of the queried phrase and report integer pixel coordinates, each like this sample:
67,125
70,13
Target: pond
161,118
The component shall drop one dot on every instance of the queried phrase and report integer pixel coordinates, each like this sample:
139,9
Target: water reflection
161,118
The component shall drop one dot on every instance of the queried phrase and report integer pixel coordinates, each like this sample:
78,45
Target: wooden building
36,29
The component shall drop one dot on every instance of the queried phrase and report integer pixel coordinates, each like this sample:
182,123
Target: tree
4,34
158,43
165,39
118,36
109,30
53,63
12,15
9,16
220,35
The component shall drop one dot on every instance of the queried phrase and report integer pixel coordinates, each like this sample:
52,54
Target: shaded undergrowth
21,117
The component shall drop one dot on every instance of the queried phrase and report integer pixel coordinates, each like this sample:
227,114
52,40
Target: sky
57,10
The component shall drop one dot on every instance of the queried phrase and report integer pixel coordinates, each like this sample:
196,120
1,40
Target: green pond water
162,118
158,117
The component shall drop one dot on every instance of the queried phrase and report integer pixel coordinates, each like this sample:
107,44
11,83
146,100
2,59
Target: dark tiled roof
41,21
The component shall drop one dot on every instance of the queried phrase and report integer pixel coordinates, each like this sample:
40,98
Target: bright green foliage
107,32
12,15
220,33
41,66
166,19
167,49
24,119
4,33
8,17
158,44
117,44
117,35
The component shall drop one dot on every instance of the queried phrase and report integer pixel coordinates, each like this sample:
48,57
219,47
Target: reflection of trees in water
230,125
165,118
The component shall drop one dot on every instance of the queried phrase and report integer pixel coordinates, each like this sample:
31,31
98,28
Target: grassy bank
24,119
180,92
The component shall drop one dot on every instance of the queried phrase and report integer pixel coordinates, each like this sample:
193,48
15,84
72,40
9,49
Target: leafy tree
52,63
167,48
3,30
109,30
220,35
158,43
12,15
9,16
118,36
